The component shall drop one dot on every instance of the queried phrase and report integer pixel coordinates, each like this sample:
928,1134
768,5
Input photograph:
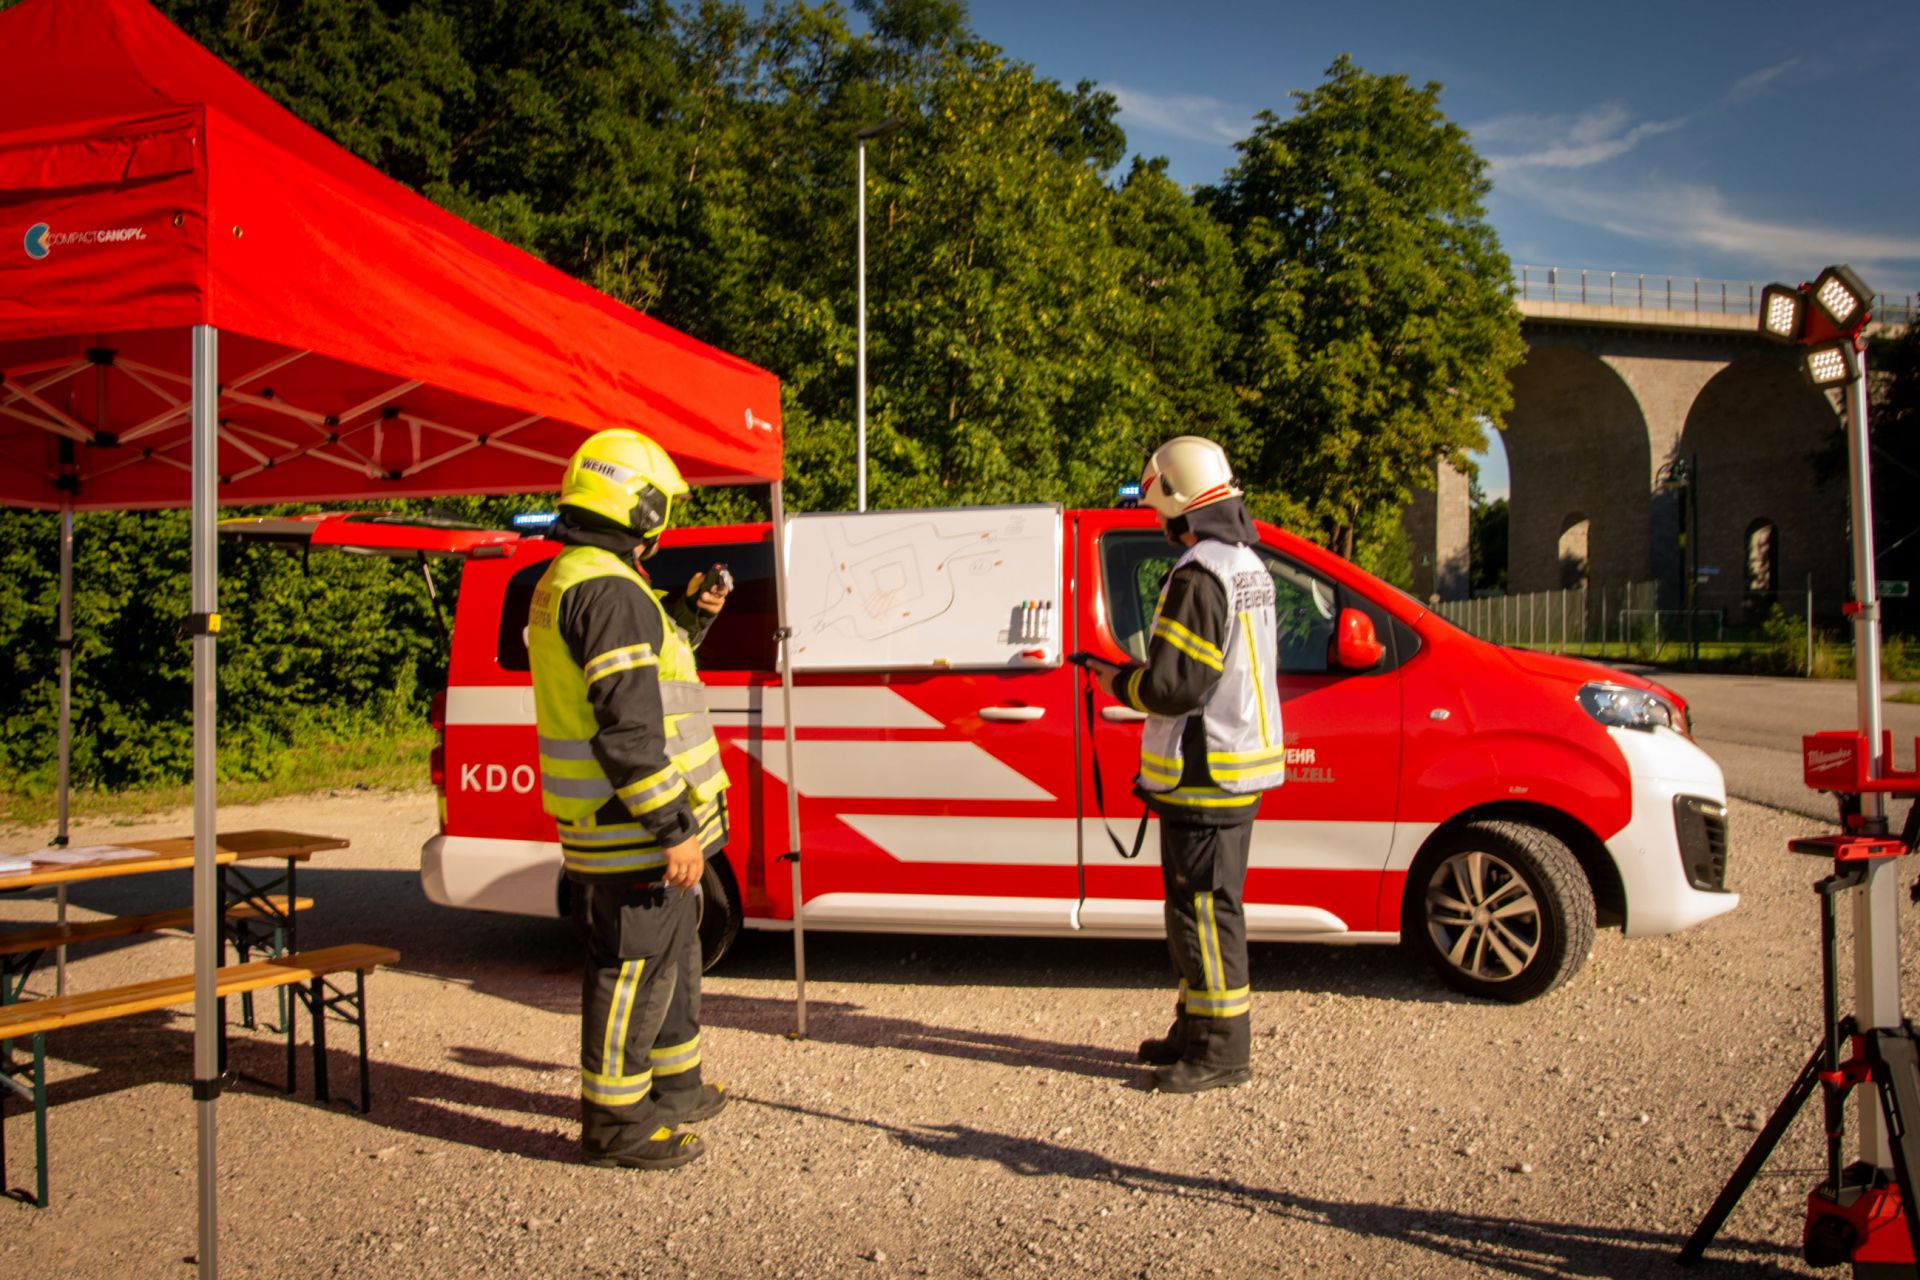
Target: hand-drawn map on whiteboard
966,587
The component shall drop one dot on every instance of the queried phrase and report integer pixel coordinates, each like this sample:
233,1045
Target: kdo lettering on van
497,777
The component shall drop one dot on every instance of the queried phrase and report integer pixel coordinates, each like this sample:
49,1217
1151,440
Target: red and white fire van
1488,806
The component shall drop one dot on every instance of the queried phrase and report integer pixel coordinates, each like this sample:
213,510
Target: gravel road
961,1107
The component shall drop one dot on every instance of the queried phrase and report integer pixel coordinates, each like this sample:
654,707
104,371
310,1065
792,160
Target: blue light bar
534,521
1130,494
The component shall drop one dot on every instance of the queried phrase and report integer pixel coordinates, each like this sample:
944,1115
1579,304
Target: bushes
342,648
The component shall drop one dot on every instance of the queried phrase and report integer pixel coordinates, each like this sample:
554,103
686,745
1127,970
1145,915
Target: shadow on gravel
1495,1245
1369,973
430,1104
841,1023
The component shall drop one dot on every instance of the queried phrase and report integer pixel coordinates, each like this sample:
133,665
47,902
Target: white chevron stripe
845,707
898,771
1039,842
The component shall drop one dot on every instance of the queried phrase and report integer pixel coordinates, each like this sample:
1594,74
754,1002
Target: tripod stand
1854,1216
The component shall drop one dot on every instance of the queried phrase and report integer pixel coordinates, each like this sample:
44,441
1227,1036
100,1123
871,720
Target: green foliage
1375,332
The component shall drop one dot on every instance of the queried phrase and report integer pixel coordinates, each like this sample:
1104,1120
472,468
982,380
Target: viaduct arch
1606,399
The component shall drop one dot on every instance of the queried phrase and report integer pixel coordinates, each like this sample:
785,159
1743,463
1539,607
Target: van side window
1135,563
741,639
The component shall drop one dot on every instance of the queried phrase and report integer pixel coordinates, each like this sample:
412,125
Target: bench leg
36,1092
360,1007
320,1039
40,1120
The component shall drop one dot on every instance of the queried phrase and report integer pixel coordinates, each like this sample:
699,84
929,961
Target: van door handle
1016,715
1122,715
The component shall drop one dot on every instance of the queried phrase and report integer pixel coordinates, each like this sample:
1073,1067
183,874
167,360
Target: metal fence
1670,293
1770,630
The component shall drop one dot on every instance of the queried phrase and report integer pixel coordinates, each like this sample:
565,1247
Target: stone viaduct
1606,399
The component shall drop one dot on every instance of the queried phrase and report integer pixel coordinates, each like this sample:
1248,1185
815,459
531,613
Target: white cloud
1697,216
1596,135
1749,86
1192,117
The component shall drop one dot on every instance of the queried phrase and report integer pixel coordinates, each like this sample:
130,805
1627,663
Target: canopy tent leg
793,782
63,641
206,898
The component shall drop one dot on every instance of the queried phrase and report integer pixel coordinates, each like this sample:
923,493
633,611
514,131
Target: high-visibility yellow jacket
629,764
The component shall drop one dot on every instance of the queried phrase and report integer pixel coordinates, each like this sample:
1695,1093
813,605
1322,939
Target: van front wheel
1501,910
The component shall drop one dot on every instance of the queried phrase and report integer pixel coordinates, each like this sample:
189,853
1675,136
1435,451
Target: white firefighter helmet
1185,474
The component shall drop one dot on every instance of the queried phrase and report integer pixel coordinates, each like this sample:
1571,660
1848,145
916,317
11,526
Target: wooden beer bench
22,949
305,973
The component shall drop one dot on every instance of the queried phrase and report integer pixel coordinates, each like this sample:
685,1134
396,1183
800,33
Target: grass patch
392,760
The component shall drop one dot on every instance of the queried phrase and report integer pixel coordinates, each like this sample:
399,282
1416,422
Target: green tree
1376,330
1487,541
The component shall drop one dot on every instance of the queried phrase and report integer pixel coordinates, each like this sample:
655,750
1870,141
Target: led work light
1843,296
1831,364
1783,312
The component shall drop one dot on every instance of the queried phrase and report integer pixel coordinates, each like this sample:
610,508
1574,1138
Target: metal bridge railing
1670,293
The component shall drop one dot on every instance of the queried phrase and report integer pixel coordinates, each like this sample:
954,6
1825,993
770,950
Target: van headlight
1624,708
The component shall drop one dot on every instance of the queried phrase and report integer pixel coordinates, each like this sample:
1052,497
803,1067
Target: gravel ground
961,1108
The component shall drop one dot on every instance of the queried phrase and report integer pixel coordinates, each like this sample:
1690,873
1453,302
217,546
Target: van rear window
741,638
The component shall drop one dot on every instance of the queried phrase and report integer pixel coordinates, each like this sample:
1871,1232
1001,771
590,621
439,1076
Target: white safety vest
1245,750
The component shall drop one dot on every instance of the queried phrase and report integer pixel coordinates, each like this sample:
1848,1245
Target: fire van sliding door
936,792
1322,841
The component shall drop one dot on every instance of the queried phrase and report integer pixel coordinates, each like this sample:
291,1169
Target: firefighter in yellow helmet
631,772
1210,746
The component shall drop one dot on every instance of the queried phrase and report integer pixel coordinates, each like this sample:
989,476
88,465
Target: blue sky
1745,140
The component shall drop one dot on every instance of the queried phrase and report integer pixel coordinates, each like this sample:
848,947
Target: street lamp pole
860,365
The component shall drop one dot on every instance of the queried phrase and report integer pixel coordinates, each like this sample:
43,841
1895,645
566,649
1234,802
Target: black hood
576,527
1224,521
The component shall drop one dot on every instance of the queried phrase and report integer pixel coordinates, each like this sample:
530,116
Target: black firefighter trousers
1203,869
640,1006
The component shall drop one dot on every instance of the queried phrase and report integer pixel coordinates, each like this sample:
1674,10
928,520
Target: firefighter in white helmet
1210,746
631,772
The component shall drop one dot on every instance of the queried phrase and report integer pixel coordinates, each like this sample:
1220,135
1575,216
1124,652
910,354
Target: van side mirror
1356,647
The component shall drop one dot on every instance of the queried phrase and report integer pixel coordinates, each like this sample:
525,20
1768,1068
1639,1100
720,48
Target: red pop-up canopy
202,300
372,344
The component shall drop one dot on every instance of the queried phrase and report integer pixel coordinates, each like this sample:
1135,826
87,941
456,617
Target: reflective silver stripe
621,659
566,748
675,1057
603,863
706,770
630,834
578,788
682,697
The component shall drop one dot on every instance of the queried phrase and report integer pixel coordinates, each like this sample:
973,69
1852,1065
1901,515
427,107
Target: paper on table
86,853
10,865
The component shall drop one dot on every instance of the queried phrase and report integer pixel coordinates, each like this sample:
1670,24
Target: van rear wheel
1501,910
720,914
717,905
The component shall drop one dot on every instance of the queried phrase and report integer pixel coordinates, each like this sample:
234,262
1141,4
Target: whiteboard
959,587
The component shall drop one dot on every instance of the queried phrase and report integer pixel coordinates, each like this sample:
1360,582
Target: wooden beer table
267,902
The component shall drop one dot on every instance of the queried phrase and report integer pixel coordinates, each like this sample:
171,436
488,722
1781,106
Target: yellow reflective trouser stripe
1186,645
1217,1004
1205,798
1259,685
605,1089
652,791
625,658
1203,924
1189,640
612,1086
676,1058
